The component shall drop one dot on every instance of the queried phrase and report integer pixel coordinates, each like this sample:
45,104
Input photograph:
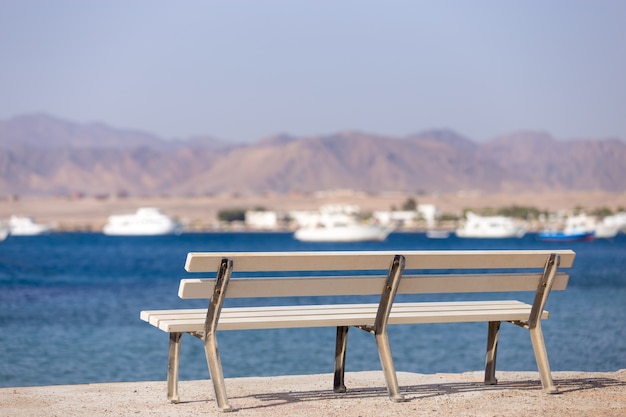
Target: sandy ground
201,212
442,395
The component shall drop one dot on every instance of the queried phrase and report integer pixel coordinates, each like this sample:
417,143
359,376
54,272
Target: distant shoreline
200,213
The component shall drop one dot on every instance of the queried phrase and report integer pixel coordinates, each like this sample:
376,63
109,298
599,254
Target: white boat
343,232
339,223
610,226
437,234
575,228
606,231
490,227
25,226
147,221
4,231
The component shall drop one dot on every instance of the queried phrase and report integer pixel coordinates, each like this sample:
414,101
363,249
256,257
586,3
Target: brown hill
43,155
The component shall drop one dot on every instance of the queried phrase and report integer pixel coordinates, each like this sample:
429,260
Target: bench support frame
210,334
209,338
534,327
173,364
380,333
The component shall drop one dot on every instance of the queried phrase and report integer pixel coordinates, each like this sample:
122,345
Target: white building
428,212
327,214
261,219
409,218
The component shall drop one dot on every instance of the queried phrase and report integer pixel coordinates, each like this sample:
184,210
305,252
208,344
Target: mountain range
44,155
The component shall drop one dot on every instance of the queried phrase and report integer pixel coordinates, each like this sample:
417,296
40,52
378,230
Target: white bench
395,272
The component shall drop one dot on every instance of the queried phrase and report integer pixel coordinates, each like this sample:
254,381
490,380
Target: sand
598,394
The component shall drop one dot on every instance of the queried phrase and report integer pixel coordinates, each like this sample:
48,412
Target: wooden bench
384,273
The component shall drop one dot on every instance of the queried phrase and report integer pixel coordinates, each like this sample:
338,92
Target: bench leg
389,369
541,356
210,333
380,326
173,362
340,359
492,352
216,372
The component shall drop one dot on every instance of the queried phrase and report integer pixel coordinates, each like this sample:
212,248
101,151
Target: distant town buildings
425,215
262,220
428,213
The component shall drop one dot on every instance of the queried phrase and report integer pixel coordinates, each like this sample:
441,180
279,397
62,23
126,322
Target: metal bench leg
534,322
541,356
210,334
380,326
389,370
216,372
173,362
340,359
492,352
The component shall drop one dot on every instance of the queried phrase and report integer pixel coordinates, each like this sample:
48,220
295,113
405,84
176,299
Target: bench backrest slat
500,271
369,285
373,260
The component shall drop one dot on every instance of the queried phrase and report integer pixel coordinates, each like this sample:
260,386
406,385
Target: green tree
231,215
409,205
602,212
445,217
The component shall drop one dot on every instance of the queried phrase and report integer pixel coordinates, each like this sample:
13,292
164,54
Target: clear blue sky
244,70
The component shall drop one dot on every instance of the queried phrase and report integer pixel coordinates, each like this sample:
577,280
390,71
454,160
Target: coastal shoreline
200,213
598,394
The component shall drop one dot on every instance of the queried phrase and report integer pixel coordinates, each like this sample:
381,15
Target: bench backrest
448,272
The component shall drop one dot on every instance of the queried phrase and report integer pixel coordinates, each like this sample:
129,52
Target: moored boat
477,226
339,223
4,231
565,236
437,234
25,226
611,225
147,221
344,232
606,231
576,228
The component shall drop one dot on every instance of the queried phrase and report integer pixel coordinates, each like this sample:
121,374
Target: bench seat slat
339,315
156,315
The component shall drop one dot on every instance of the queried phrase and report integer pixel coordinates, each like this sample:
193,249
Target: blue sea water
70,303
